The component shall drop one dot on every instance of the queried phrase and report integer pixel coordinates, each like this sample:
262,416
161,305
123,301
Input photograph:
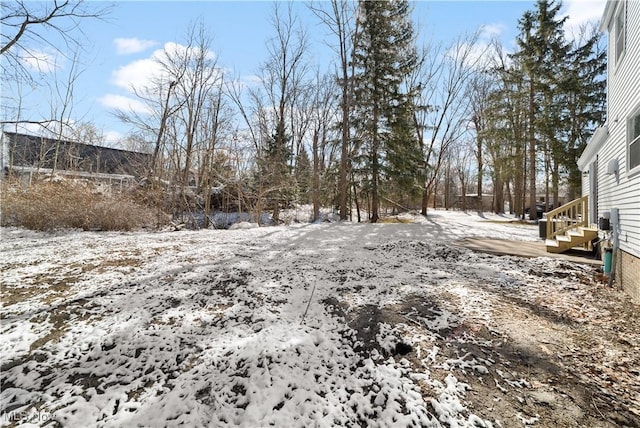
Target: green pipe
608,256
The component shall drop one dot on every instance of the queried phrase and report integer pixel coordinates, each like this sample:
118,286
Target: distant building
25,155
471,201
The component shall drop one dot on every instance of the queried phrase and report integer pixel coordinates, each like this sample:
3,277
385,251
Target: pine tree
403,156
507,126
304,177
542,49
274,171
545,105
584,89
384,55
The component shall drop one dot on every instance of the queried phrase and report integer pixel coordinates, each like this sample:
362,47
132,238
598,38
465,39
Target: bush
66,204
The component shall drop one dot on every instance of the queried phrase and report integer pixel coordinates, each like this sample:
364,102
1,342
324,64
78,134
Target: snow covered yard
310,325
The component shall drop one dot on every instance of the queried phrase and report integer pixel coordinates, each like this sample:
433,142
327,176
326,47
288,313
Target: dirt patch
409,327
58,283
43,287
533,365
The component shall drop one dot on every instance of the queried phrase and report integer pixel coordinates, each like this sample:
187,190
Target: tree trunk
435,194
207,202
533,215
479,157
355,199
316,180
425,202
343,184
547,170
375,169
499,197
517,196
555,185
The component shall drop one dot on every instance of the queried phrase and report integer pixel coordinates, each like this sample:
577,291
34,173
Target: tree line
392,124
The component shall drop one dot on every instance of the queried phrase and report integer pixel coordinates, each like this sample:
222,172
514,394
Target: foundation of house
628,274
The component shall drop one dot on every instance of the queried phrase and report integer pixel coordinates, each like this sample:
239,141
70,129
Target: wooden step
583,232
552,246
573,238
558,246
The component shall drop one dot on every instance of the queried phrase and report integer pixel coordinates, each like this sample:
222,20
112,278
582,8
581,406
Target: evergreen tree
384,55
403,156
542,49
584,101
507,129
274,171
550,97
304,177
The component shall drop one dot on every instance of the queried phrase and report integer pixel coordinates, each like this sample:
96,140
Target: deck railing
568,216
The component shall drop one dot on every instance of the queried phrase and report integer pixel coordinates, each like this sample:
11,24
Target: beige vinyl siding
623,98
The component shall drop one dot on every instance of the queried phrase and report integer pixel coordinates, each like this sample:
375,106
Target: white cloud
33,128
39,61
137,74
113,138
143,73
133,45
251,80
582,12
491,30
124,103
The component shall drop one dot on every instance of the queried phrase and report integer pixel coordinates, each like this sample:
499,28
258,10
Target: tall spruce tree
403,157
384,55
542,49
584,100
507,117
546,103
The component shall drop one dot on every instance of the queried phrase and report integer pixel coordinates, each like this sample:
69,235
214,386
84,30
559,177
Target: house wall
585,184
622,190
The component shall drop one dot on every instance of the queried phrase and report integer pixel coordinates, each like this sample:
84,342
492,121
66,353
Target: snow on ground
330,324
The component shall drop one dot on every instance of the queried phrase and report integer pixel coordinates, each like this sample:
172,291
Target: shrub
68,204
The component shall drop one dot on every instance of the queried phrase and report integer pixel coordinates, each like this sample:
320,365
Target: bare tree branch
26,26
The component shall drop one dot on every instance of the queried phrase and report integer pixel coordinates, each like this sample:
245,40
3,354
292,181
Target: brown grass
49,205
56,284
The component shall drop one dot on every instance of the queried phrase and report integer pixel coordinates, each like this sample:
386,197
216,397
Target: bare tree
324,111
283,76
250,106
27,29
62,106
444,75
338,18
480,89
136,142
185,100
462,154
215,161
197,76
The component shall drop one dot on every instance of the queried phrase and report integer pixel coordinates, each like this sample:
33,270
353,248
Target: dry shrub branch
69,204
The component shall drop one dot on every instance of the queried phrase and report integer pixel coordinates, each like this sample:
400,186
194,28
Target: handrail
569,216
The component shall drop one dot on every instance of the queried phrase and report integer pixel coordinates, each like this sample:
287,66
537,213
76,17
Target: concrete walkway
524,249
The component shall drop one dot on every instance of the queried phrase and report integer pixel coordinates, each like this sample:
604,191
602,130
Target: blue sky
119,50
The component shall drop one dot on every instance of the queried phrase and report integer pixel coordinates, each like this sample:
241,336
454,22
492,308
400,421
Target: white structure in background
611,161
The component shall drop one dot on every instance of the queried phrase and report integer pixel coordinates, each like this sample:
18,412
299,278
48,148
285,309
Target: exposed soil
545,366
325,325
